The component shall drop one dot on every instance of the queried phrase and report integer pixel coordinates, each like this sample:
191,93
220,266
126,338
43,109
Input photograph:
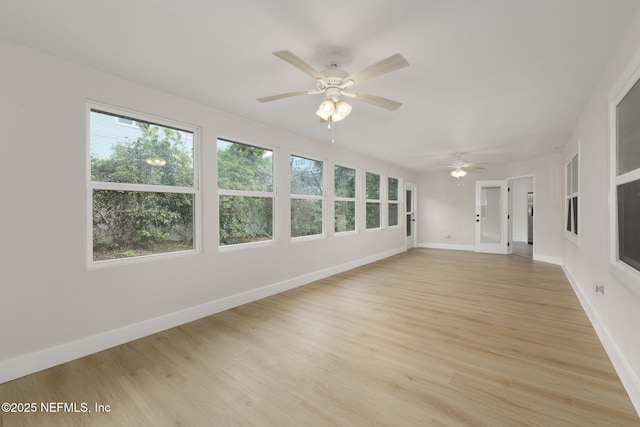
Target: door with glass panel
410,215
491,217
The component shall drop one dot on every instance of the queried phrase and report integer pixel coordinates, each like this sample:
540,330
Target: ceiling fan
335,83
458,166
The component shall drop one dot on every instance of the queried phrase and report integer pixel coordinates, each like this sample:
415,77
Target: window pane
628,131
133,223
569,176
306,176
574,174
575,215
244,167
393,214
568,214
628,224
148,154
393,189
345,181
373,186
373,215
245,219
306,217
345,216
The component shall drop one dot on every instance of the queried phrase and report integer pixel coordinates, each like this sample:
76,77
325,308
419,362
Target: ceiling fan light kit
458,166
335,82
332,111
458,173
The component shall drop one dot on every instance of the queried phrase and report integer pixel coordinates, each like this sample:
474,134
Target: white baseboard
49,357
449,247
547,259
471,248
628,377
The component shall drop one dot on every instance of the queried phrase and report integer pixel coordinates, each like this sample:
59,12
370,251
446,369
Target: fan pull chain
333,133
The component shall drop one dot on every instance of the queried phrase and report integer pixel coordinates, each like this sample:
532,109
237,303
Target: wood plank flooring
425,338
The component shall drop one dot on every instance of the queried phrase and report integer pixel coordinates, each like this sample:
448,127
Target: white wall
616,313
53,309
447,207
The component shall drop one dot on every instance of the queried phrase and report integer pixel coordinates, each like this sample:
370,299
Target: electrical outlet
600,288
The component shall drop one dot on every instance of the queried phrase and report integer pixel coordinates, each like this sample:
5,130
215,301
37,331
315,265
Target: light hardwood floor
426,338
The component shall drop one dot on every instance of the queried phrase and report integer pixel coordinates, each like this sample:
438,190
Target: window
372,192
142,188
392,199
572,181
245,193
345,198
626,181
127,122
307,197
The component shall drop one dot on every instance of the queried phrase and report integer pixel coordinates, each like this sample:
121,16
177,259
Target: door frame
503,246
532,177
411,241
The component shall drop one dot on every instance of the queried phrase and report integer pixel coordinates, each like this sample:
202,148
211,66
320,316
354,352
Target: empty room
281,213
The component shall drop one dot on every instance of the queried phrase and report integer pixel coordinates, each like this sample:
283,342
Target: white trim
299,196
377,201
493,248
52,356
627,275
446,246
628,377
195,189
547,259
572,236
223,192
331,216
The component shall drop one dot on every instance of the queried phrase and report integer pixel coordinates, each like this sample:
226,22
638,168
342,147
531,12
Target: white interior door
491,217
410,215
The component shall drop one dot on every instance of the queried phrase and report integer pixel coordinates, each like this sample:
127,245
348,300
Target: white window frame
571,190
628,275
346,199
381,190
244,193
393,202
321,197
96,185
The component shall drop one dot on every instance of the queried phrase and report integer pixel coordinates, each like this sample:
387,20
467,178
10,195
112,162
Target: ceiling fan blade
476,165
377,100
288,94
294,60
392,63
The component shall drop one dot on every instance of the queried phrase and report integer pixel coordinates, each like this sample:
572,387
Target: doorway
522,211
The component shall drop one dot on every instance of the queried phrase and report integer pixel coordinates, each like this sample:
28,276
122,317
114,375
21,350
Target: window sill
627,275
307,238
95,265
242,246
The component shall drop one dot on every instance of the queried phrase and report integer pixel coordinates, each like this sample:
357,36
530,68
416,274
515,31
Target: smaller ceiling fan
335,82
458,166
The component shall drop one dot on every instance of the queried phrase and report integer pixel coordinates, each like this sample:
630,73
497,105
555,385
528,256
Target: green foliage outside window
133,223
372,191
307,213
345,187
245,218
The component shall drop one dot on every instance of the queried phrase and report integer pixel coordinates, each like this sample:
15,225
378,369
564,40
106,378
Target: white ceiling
501,80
